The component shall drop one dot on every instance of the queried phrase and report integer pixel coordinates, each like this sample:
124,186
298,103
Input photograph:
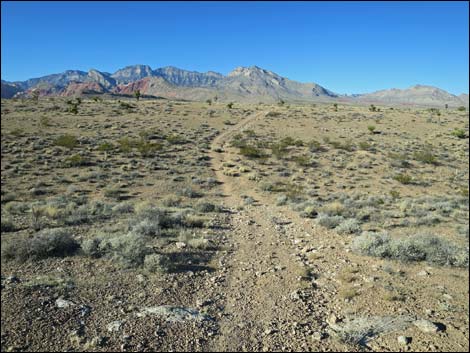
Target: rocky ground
197,227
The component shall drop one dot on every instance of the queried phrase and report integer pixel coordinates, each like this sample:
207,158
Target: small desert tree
35,95
137,94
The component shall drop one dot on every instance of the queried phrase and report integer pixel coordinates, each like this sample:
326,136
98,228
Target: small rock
295,295
426,326
84,310
423,273
404,340
12,279
318,336
62,303
114,326
180,245
447,296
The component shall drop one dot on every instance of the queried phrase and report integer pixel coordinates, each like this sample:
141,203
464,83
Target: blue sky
348,47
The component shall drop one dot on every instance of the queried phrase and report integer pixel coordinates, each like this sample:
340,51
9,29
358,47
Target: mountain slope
8,90
416,95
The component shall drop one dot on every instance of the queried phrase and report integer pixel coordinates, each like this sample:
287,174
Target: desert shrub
403,178
329,222
200,243
18,132
348,226
462,109
373,244
303,161
425,156
371,128
150,220
47,243
314,146
113,192
68,141
460,133
45,121
279,150
148,149
334,208
75,160
193,221
422,247
91,247
127,106
122,208
74,215
176,140
463,230
125,144
427,220
128,249
157,263
190,193
171,201
205,207
7,224
148,227
17,207
252,152
8,197
365,146
281,200
309,211
105,147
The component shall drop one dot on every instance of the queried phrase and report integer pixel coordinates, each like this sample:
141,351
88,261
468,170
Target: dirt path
269,296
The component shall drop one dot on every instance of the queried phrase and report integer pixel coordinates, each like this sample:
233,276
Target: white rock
426,326
62,303
114,326
404,340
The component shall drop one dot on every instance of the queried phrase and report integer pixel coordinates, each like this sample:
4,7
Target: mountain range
248,84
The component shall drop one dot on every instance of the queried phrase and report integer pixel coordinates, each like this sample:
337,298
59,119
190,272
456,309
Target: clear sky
347,47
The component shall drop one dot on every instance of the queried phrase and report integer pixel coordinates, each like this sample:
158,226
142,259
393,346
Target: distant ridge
249,84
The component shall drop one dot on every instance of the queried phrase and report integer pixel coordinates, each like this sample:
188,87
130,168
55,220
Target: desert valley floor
160,225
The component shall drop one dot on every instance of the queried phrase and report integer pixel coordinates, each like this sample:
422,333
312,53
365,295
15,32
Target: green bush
252,152
68,141
460,133
105,147
403,178
75,160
